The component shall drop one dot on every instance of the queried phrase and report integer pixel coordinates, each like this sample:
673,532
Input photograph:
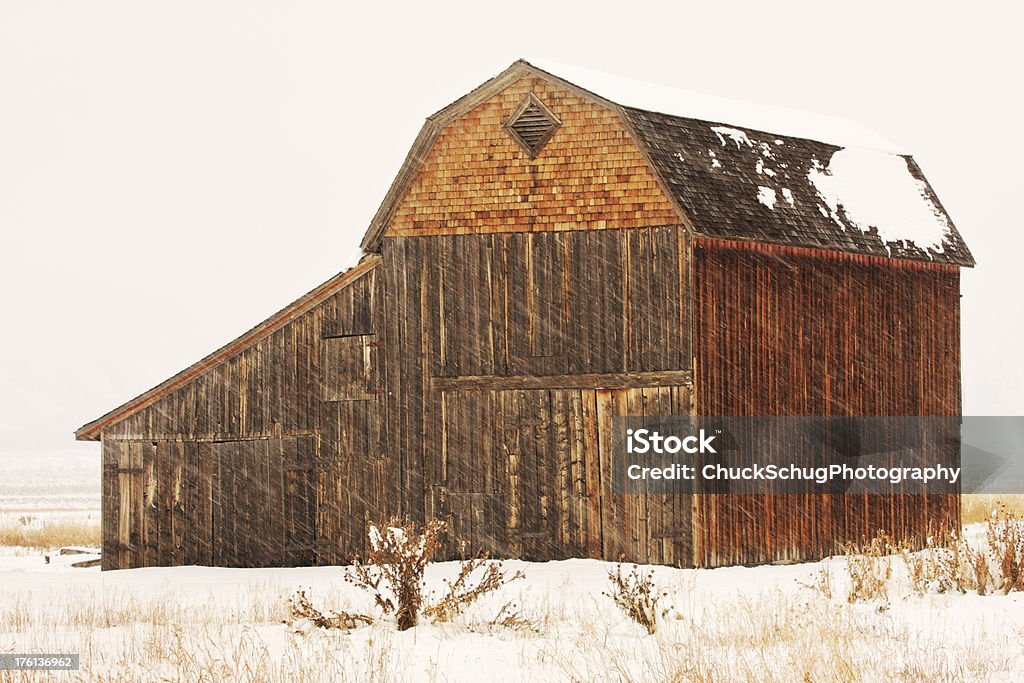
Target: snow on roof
877,190
766,196
742,183
693,105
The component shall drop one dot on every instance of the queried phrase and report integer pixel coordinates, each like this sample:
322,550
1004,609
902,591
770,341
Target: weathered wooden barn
549,257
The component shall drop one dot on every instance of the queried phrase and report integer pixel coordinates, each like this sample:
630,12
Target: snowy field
765,623
50,484
49,498
204,624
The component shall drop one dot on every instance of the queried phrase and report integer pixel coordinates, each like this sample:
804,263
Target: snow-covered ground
763,623
196,623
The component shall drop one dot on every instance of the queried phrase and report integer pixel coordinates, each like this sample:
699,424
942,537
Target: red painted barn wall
798,332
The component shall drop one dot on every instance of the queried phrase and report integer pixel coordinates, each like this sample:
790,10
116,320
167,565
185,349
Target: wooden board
788,332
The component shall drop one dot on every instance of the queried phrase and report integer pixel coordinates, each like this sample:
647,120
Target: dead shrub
933,569
511,616
638,596
1004,537
393,570
303,614
821,582
392,573
945,566
995,565
869,568
467,589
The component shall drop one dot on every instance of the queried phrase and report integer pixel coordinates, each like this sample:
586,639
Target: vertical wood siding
793,332
246,503
525,473
250,448
588,317
550,306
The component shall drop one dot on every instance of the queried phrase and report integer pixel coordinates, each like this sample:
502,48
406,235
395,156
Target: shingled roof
745,172
737,183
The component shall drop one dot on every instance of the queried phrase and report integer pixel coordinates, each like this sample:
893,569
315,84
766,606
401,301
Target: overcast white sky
173,172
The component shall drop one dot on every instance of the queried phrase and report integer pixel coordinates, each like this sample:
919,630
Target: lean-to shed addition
556,251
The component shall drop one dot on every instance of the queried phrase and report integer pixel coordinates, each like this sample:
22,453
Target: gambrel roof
807,181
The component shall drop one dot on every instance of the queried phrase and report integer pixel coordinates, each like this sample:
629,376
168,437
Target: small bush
821,582
511,616
638,596
303,615
1004,537
393,573
945,566
467,589
995,565
869,568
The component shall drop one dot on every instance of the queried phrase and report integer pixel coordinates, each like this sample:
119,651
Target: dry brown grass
74,607
28,532
127,634
771,637
978,507
992,562
637,595
869,568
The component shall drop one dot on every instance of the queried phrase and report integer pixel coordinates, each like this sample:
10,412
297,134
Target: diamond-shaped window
532,125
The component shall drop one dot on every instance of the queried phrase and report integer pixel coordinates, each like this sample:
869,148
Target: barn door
650,527
543,451
263,503
526,473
